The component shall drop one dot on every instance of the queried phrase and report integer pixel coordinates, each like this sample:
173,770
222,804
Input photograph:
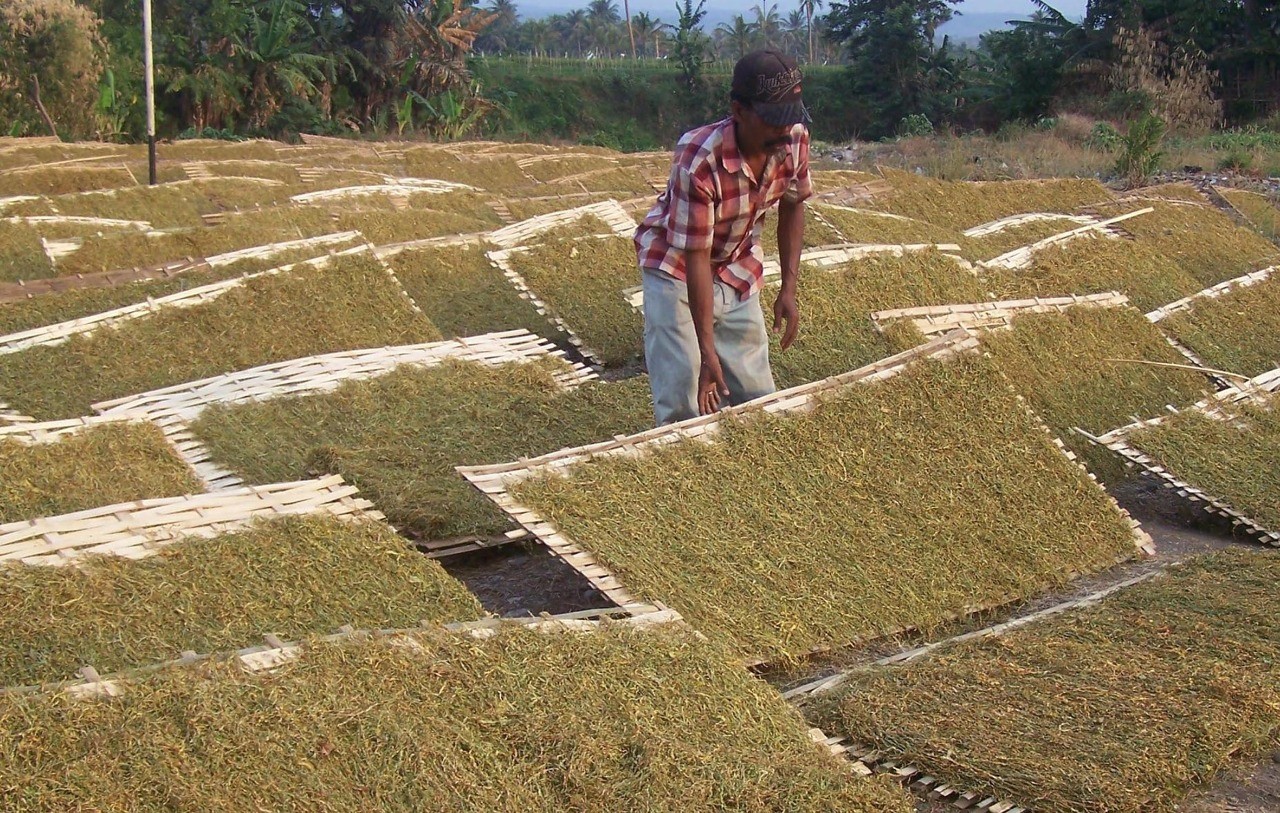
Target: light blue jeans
671,346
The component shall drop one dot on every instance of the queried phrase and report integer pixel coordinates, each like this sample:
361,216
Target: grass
1260,210
463,294
581,281
22,254
869,227
618,719
1060,363
1233,460
836,332
1200,240
960,206
1123,708
293,576
1238,332
351,304
101,465
888,506
1091,266
372,433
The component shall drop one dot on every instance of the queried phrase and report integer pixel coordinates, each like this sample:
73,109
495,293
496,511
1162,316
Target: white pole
150,80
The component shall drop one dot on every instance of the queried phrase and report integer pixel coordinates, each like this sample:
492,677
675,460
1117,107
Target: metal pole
150,91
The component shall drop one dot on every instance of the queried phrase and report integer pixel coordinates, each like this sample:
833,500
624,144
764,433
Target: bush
915,125
1104,136
1140,150
1236,159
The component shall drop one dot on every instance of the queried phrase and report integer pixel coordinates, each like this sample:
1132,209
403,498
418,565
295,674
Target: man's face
756,133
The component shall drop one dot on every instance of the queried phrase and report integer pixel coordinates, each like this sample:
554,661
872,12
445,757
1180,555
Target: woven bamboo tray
138,529
173,408
1020,258
1117,440
935,320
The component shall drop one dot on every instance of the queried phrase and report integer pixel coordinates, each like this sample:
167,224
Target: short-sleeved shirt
713,201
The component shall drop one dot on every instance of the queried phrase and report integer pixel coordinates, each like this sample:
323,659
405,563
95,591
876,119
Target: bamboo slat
1013,221
1257,389
274,652
139,529
610,211
1221,289
50,335
824,257
1021,257
934,320
400,186
496,481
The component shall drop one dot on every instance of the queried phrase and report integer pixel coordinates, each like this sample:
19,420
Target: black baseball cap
769,82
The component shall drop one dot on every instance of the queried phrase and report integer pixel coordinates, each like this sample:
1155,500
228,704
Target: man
701,264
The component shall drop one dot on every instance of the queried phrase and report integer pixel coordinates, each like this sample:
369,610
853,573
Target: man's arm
701,285
790,241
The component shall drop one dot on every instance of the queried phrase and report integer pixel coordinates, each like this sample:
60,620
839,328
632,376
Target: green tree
51,57
810,8
689,51
767,24
280,66
736,37
894,64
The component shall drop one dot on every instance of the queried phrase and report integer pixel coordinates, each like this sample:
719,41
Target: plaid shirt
712,201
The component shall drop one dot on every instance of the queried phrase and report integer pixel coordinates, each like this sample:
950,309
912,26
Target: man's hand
711,386
786,310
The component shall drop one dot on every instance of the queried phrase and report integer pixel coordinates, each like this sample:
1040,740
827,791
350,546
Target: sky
976,16
665,9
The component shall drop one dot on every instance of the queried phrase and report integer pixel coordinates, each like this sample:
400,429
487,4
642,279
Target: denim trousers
671,346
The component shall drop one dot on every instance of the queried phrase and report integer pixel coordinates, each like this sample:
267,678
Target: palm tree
575,28
649,29
793,28
738,34
810,7
280,64
767,25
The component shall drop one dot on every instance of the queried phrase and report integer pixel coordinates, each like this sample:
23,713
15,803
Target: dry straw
1200,240
463,293
176,204
524,720
1238,331
581,281
1260,210
1084,367
1124,708
100,465
1136,268
399,437
1231,455
51,308
68,179
22,254
888,506
289,577
818,231
836,305
349,304
959,205
868,226
113,251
